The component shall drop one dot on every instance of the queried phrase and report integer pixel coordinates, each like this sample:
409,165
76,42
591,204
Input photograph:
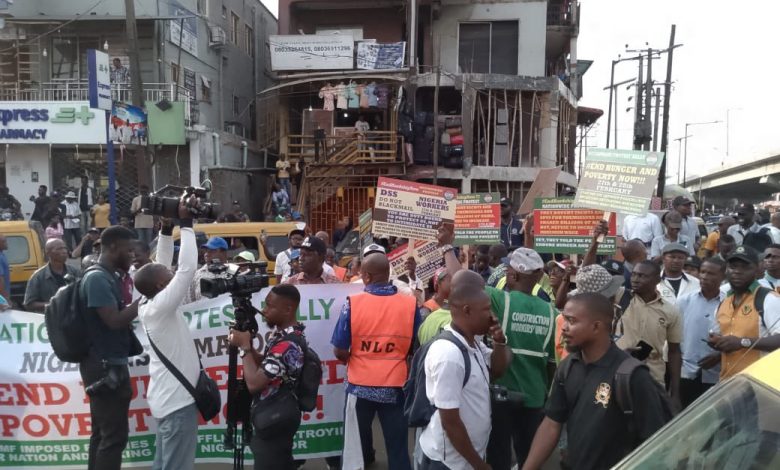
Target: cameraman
171,404
104,372
273,376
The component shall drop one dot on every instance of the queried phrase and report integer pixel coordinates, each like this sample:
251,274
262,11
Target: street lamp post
679,154
685,160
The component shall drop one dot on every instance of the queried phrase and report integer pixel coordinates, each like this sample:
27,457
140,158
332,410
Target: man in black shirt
87,199
9,203
42,206
583,394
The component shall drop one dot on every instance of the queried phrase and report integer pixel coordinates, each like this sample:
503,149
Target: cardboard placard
543,186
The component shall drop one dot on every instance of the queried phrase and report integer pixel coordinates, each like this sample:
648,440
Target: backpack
758,240
418,410
65,321
311,375
758,302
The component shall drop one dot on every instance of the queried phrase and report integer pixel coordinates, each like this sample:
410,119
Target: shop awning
399,75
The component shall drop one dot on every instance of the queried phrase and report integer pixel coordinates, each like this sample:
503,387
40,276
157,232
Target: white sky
727,61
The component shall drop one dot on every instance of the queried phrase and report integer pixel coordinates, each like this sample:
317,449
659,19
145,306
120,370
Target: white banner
44,412
312,52
51,122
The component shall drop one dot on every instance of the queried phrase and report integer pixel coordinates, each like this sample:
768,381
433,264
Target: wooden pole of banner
607,216
465,263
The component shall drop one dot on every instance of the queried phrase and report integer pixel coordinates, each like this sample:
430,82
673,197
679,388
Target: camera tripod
239,400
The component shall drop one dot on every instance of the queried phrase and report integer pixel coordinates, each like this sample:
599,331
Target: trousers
394,429
177,436
514,427
108,410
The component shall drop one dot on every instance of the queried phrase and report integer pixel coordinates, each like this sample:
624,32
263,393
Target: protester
10,203
674,282
643,228
379,317
529,324
5,270
692,266
54,231
740,332
634,252
101,213
746,214
496,253
457,435
171,404
771,260
72,221
354,270
108,323
343,227
235,215
216,253
87,198
652,320
86,245
323,235
282,267
511,227
283,174
46,281
673,224
280,199
710,246
273,376
583,395
684,206
482,264
698,311
144,223
42,202
441,289
773,227
313,252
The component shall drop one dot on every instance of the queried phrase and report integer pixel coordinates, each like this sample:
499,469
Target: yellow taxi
735,425
24,254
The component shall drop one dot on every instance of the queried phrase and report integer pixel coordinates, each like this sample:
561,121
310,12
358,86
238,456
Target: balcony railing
78,90
561,13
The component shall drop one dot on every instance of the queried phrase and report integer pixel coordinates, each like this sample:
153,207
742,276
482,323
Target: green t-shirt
530,332
433,324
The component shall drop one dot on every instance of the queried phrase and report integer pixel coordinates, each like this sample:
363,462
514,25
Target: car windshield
349,245
736,425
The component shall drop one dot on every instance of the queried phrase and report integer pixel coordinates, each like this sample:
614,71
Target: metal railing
561,13
372,147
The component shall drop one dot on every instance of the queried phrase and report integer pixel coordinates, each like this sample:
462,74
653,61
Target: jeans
72,237
144,234
428,464
514,426
692,389
285,184
177,436
109,416
394,428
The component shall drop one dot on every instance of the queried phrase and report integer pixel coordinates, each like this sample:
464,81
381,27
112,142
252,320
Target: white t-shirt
282,266
644,228
444,372
170,331
72,210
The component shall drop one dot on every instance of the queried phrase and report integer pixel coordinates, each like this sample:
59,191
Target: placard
364,228
618,180
478,219
543,186
427,254
412,210
559,228
312,52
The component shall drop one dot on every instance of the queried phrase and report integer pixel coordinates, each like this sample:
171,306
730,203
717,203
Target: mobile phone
643,352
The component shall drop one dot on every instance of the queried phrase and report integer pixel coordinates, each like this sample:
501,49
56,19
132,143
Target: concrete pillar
194,146
465,185
468,98
548,131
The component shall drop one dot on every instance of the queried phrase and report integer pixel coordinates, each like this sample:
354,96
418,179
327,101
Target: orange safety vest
431,305
382,331
740,321
340,272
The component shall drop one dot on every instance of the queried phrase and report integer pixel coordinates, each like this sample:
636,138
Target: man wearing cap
692,266
216,252
282,267
144,223
741,333
529,324
673,223
511,227
698,311
644,228
71,220
746,214
652,319
674,282
373,337
312,265
684,206
710,247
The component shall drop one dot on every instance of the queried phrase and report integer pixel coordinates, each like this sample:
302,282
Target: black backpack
758,301
66,323
311,375
418,410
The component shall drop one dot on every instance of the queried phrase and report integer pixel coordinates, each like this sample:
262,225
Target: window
175,73
249,40
488,47
224,12
205,89
236,106
64,58
18,251
234,24
203,7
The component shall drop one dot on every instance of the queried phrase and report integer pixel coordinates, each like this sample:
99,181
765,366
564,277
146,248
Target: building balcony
563,13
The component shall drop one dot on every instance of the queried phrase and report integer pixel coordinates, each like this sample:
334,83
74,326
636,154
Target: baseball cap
245,256
681,201
746,208
296,231
505,201
70,195
593,278
744,253
675,247
93,230
216,243
563,264
694,261
524,260
613,267
314,244
373,248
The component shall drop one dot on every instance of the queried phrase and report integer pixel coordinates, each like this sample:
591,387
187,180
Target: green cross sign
68,115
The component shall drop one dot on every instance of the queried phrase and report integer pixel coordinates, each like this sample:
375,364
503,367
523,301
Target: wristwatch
242,353
446,248
745,343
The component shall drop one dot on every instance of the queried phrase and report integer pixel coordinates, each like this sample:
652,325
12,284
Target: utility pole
655,122
679,154
436,137
611,92
648,100
665,129
137,85
638,105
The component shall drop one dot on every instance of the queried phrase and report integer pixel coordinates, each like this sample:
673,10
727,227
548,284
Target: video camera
165,201
237,279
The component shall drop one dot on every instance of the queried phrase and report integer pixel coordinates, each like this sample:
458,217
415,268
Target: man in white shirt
282,269
643,228
171,404
72,221
774,227
457,435
746,214
684,206
144,223
674,282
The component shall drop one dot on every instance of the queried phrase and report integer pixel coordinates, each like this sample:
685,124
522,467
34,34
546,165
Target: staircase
19,69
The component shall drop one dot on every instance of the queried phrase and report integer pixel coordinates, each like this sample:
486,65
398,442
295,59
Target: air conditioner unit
217,36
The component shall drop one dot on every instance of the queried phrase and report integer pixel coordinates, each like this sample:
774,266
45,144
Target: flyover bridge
753,182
